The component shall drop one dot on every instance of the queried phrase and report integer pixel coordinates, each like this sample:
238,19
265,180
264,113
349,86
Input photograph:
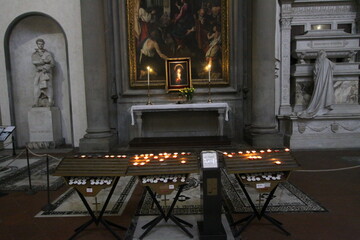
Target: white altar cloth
222,108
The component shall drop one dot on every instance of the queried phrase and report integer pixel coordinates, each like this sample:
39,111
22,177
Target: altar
195,119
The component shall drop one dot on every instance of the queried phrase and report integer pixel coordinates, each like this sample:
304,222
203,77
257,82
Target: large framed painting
163,29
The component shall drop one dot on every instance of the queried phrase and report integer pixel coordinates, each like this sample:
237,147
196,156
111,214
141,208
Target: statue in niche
44,63
323,96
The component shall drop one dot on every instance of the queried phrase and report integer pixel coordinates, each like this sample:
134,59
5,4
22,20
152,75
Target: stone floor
337,191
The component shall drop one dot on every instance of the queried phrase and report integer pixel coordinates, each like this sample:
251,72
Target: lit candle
148,70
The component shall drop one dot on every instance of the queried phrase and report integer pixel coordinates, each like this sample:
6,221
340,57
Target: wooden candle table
262,170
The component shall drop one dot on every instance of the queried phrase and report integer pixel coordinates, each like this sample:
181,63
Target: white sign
209,159
89,190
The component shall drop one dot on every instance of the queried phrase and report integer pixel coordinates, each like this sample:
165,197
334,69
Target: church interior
179,119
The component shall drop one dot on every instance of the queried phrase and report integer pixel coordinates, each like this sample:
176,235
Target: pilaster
98,137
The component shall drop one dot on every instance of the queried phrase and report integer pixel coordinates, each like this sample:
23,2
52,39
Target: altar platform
198,141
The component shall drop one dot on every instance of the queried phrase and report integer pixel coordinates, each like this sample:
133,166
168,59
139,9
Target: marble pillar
263,131
285,21
98,137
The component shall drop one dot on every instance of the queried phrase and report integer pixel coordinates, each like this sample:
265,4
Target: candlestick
209,68
148,74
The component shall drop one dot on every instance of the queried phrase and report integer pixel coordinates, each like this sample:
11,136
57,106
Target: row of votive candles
163,178
256,151
257,177
100,156
160,155
92,180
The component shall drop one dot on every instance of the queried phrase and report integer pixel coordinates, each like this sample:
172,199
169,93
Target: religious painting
178,74
163,29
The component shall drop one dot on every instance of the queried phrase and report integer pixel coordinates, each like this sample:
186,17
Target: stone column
98,137
285,107
263,130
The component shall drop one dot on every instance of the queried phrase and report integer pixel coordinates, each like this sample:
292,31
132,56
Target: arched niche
20,43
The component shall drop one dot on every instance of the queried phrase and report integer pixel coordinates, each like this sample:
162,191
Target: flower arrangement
188,93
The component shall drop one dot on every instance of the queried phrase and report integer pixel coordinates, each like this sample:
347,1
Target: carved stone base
97,144
323,132
44,127
266,140
41,145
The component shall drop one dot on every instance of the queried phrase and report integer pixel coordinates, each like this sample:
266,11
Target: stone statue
44,63
323,96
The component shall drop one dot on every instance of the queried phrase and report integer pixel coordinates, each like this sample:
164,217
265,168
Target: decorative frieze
323,10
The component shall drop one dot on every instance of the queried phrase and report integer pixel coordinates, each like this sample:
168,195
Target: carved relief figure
44,63
323,96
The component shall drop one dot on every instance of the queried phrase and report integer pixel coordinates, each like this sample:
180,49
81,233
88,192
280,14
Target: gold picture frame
151,43
178,74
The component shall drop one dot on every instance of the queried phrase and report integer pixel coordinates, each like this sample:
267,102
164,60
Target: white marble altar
221,108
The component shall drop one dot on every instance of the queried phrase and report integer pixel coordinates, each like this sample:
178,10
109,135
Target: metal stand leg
178,221
256,214
98,219
48,206
30,190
